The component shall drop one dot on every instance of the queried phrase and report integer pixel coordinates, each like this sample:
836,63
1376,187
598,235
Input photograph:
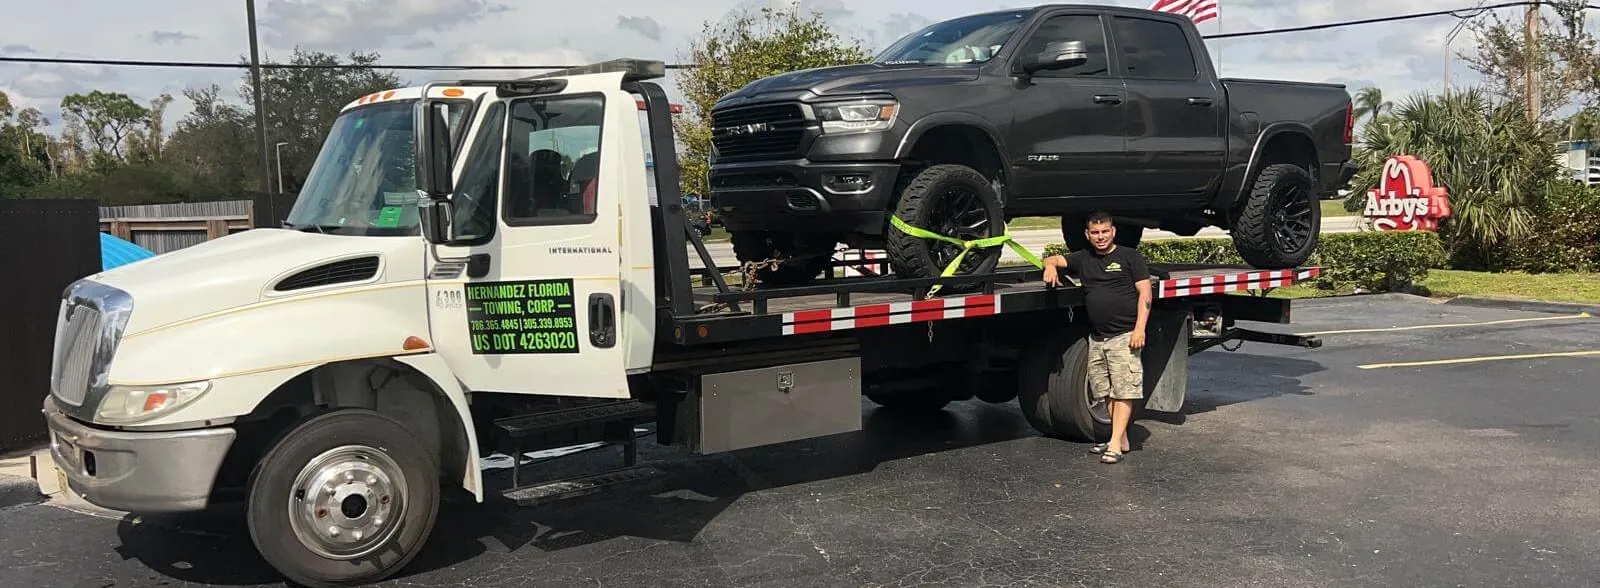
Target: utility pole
264,218
1532,60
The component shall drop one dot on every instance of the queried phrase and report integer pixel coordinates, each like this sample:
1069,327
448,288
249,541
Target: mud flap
1166,359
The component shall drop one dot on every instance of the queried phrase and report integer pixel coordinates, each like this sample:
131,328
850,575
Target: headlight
131,404
871,115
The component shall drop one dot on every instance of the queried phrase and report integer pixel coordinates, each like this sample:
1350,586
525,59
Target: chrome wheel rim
347,502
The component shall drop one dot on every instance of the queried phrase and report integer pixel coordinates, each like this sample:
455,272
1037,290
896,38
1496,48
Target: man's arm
1052,266
1141,274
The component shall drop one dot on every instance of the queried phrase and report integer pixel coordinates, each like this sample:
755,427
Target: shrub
1566,235
1372,261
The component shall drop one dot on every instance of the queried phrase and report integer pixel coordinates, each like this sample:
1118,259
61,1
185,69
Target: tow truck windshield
965,40
364,179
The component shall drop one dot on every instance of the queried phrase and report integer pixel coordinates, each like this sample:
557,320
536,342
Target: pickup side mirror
1059,55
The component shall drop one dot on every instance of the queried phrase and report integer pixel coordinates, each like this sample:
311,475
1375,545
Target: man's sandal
1111,457
1099,447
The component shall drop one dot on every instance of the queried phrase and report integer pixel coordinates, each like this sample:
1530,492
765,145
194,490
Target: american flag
1197,10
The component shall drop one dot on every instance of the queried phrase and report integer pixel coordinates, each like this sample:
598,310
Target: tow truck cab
479,266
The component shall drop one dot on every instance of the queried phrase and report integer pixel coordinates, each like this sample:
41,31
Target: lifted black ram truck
1051,111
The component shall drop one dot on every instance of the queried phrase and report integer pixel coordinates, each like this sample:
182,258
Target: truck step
597,414
535,494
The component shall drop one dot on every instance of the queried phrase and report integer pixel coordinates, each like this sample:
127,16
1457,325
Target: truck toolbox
761,406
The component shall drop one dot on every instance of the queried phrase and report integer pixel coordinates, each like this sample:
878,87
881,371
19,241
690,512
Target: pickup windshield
969,39
364,180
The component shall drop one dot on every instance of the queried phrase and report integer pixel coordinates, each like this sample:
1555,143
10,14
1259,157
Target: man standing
1116,284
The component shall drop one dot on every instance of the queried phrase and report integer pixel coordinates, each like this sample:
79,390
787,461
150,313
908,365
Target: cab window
553,160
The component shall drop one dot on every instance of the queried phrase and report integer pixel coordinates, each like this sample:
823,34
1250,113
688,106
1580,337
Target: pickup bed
1057,110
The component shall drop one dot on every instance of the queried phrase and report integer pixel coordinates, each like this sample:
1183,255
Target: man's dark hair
1098,218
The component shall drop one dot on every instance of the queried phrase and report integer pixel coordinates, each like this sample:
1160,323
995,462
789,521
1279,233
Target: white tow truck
481,266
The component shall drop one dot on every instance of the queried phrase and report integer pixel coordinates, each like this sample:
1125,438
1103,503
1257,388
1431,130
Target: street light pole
262,220
277,151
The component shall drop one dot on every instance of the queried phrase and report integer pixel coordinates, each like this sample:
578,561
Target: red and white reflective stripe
898,313
1236,282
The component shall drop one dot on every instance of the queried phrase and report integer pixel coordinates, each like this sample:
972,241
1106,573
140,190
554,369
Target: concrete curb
18,490
1525,305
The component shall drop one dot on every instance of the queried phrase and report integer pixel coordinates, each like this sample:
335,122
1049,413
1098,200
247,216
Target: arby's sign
1406,199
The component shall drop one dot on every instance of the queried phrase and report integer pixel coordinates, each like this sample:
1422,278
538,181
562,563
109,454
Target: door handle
602,321
1199,102
1107,99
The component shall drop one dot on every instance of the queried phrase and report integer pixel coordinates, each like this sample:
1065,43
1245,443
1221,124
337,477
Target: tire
1072,234
1278,225
1053,388
804,258
925,203
319,452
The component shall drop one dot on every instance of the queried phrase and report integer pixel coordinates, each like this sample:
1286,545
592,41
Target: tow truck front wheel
346,498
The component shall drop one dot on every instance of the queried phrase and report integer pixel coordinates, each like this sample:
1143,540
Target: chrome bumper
145,472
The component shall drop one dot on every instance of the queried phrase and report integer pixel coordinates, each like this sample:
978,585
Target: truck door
1067,127
1175,110
536,309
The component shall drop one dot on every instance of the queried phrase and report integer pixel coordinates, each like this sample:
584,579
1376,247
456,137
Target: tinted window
1078,27
1153,49
553,160
477,192
969,39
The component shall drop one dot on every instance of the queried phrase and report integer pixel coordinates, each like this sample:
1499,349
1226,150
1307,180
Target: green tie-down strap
985,243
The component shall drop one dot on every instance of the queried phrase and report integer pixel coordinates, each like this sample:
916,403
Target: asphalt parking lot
1459,453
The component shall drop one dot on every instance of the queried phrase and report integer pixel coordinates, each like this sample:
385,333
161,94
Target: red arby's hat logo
1406,199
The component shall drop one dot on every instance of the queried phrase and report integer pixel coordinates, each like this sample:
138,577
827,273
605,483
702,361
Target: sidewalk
28,478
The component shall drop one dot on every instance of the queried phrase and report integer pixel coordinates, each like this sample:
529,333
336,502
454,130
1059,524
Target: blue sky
1397,57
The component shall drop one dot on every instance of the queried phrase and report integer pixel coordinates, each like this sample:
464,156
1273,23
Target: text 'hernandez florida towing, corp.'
522,317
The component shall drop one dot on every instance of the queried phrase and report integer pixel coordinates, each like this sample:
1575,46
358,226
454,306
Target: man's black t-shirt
1108,287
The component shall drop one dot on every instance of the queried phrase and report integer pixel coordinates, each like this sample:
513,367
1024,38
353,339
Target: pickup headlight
131,404
852,117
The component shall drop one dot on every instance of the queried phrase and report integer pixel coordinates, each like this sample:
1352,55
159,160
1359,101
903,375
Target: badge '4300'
1406,199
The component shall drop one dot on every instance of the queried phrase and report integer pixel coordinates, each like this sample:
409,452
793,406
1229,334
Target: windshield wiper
308,228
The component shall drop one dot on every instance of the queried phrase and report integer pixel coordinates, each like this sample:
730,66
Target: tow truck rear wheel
344,499
1053,389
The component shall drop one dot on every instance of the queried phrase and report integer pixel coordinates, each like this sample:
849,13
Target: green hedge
1370,261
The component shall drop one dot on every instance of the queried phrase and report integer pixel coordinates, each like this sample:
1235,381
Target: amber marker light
414,343
453,92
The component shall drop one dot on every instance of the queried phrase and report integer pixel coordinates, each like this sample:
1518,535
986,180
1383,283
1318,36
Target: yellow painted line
1372,366
1581,315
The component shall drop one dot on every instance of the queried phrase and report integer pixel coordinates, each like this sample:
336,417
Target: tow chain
747,272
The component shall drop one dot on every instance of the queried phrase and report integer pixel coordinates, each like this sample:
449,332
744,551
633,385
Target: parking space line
1581,315
1371,366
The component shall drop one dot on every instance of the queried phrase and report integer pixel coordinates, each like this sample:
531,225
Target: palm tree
1496,165
1369,103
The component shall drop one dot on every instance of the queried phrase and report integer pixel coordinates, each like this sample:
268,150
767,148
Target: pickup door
1175,106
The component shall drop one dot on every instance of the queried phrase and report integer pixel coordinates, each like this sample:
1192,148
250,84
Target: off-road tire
269,502
915,257
1259,219
804,258
1053,388
1072,234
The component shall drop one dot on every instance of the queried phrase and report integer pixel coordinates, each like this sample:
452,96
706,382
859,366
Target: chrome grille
765,130
72,366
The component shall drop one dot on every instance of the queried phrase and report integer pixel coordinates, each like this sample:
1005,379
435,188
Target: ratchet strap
966,246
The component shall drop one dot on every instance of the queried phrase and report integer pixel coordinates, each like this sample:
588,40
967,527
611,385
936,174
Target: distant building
1582,161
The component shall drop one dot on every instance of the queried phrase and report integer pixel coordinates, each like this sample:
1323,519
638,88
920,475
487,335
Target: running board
536,494
608,422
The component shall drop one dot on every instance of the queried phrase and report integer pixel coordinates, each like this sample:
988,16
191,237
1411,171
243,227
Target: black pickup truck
1052,111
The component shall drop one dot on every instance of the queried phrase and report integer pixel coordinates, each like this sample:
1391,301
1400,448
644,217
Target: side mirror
437,217
433,150
1060,55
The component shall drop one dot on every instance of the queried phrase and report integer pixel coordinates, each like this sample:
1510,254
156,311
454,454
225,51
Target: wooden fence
163,228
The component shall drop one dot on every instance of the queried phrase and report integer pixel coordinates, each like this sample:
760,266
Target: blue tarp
115,252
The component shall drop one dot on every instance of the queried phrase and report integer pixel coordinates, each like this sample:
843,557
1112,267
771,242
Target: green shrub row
1370,261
